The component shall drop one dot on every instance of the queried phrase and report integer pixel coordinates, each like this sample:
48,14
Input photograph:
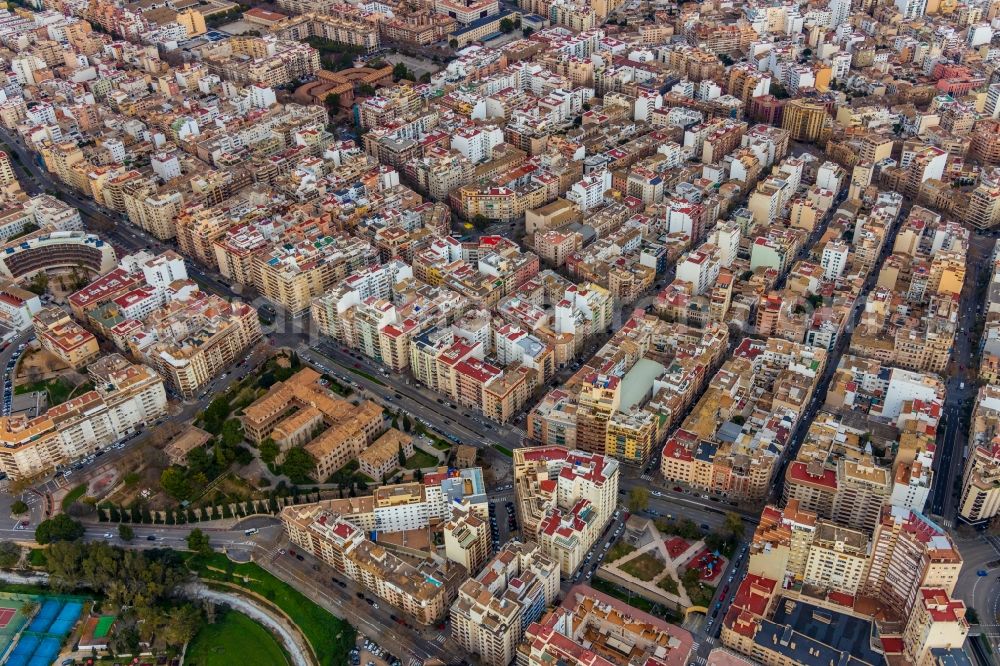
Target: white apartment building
588,192
834,259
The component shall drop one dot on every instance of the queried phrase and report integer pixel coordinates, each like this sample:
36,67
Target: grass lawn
668,584
619,550
36,557
234,637
700,594
58,390
73,495
504,450
634,600
421,459
441,445
330,637
645,567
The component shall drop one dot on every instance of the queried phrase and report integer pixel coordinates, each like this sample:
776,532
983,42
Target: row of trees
143,516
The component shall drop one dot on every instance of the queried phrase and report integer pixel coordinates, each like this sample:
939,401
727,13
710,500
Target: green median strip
73,496
361,373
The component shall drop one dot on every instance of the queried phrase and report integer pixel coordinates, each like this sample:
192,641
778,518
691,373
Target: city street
961,383
315,580
981,554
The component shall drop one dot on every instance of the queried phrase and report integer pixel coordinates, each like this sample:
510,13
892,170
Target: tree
174,483
60,528
332,102
506,26
480,221
725,59
298,466
638,499
198,542
399,71
181,624
528,32
733,524
453,43
18,508
425,77
10,554
691,576
366,90
125,532
39,283
269,451
406,423
401,456
215,415
232,433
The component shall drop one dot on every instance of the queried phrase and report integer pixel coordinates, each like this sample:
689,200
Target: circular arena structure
47,250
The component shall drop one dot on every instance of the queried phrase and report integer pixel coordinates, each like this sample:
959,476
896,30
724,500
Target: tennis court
11,621
38,644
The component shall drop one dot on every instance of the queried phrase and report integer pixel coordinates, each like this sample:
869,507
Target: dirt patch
38,365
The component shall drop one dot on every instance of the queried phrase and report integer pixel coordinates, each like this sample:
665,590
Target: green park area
331,638
234,638
420,460
645,567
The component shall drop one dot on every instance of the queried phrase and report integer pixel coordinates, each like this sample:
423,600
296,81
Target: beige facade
489,616
467,539
64,338
128,397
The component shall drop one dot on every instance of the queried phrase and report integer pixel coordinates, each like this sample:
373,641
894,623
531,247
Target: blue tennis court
46,652
24,650
46,616
67,617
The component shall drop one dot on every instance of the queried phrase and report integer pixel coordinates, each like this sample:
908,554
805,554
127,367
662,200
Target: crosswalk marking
441,638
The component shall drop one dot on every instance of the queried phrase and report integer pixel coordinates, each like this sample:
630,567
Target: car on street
982,572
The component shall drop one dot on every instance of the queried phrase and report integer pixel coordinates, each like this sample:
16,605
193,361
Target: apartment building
268,62
64,338
564,500
493,609
193,338
937,625
781,543
909,552
837,558
593,629
980,500
423,591
467,538
291,274
127,397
